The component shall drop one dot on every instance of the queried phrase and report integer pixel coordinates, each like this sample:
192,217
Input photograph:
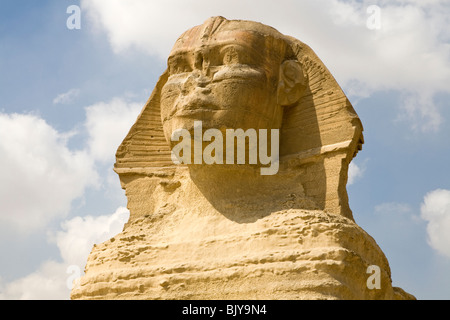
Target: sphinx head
230,74
233,74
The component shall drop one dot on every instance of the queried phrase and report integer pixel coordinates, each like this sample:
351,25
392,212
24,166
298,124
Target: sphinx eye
230,56
179,65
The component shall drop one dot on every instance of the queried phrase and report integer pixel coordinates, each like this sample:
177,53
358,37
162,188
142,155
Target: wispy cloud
66,97
419,110
393,208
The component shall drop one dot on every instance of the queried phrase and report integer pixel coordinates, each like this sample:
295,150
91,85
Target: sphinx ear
292,83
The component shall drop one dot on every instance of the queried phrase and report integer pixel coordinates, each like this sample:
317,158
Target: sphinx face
228,80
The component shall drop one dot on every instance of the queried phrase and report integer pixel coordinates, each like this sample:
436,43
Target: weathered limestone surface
225,231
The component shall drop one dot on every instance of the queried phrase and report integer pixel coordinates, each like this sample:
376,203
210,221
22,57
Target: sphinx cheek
170,93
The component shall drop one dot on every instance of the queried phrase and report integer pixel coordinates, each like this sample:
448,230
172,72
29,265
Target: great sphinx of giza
225,231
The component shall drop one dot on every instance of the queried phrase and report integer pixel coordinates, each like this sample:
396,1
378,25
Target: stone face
224,231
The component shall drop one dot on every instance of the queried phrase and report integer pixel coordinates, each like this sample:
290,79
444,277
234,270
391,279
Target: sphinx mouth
194,113
193,105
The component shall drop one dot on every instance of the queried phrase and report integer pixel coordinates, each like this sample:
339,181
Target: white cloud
80,233
40,175
52,279
354,173
436,210
107,125
45,284
66,97
409,53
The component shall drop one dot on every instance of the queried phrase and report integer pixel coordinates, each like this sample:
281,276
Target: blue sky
70,96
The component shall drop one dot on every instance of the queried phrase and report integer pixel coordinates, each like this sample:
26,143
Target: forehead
196,39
